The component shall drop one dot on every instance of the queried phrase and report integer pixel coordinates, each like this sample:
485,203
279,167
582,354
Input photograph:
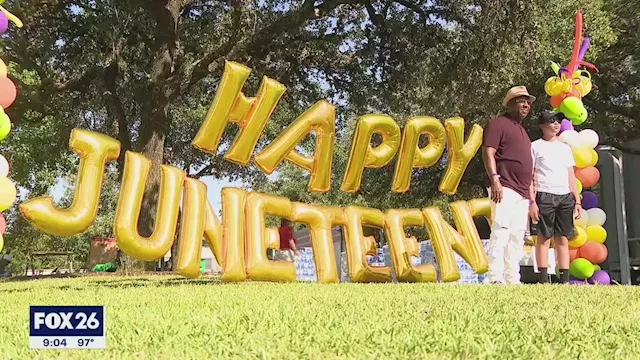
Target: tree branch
445,14
204,171
113,103
81,83
201,68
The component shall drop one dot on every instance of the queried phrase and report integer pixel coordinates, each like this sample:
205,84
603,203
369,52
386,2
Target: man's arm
573,185
489,159
532,188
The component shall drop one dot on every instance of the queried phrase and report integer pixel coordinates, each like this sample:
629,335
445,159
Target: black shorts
556,215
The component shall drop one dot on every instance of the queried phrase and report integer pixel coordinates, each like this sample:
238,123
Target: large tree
145,71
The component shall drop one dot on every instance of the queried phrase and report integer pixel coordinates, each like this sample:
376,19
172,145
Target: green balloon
574,110
596,268
555,67
5,126
581,269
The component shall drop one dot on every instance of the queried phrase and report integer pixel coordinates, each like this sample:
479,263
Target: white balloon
597,216
4,167
583,220
571,137
589,138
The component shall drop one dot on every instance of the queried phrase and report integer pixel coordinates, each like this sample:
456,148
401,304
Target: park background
145,72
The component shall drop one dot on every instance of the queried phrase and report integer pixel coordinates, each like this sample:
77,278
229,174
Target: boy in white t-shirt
557,201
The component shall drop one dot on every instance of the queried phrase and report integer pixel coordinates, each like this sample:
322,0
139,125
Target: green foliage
23,238
168,318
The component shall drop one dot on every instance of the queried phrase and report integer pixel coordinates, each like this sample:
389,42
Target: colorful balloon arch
566,90
8,94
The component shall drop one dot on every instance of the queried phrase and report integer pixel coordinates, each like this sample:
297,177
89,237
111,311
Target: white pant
506,244
285,255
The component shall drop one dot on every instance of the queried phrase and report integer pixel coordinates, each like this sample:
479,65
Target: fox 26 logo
67,321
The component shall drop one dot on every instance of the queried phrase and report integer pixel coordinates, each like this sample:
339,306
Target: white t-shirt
551,163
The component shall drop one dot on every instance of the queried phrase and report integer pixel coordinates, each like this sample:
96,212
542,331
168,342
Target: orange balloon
8,92
588,176
557,100
573,254
593,251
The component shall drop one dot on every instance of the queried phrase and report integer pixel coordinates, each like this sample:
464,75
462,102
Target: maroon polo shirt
514,163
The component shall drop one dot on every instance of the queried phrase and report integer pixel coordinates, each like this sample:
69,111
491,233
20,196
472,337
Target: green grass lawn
166,317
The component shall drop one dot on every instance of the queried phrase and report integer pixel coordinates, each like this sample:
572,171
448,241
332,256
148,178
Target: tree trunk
155,122
152,138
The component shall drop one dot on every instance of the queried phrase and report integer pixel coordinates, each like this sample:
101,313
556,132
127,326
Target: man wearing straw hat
506,152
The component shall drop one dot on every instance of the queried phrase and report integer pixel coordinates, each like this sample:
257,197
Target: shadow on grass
105,282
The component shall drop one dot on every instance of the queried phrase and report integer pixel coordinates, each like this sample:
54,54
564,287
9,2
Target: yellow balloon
579,239
3,69
231,105
440,238
402,247
12,17
134,178
95,150
583,85
319,221
227,239
411,155
596,233
579,185
358,245
594,158
192,226
583,156
460,153
469,245
566,86
363,155
321,119
553,86
8,193
259,238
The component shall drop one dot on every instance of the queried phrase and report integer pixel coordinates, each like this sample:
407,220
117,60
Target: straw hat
516,92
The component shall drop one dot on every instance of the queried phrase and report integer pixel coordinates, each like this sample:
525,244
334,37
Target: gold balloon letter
364,155
446,239
402,248
460,153
231,105
95,150
319,220
191,228
320,118
259,239
228,245
469,245
136,170
358,246
412,156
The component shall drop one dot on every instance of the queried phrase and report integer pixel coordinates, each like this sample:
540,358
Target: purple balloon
584,47
589,200
4,23
600,277
565,125
578,282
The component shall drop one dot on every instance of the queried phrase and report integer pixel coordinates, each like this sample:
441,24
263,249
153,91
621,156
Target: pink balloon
3,224
8,92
